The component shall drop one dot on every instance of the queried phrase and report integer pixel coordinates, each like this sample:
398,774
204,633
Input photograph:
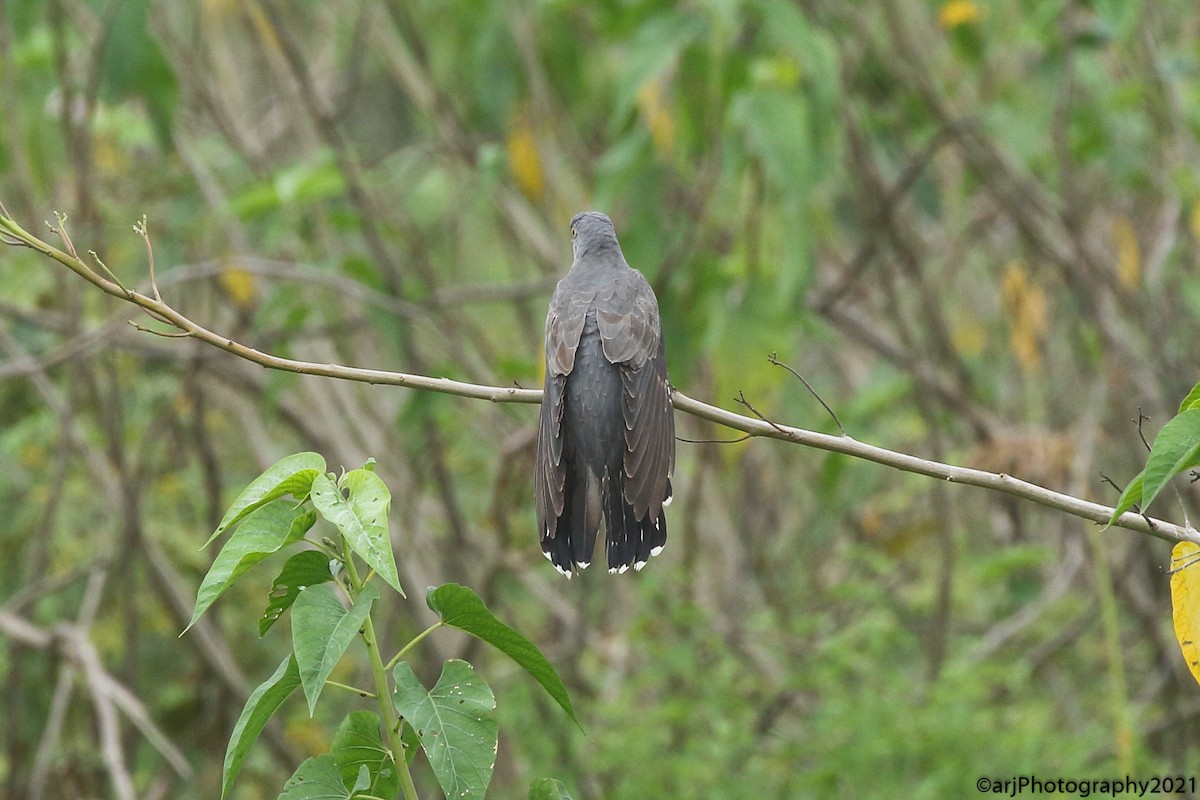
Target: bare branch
760,427
811,391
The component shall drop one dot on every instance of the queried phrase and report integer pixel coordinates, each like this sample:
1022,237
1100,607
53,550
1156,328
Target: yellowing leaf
240,286
652,103
32,456
219,8
523,157
1194,221
1024,304
263,26
108,157
958,12
1185,602
1129,255
779,72
968,338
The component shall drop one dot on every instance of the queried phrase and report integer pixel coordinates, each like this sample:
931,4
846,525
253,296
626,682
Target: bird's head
592,232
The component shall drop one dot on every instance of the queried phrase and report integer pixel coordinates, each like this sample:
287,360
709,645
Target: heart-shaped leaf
455,725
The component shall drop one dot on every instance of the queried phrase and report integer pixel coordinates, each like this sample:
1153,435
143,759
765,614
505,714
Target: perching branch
761,427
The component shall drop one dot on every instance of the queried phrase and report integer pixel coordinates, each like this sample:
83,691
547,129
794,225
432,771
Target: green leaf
548,789
357,746
321,631
1192,400
310,182
1131,497
410,740
362,519
775,127
461,608
306,568
268,529
363,780
258,709
289,475
654,46
454,723
316,779
1176,448
135,66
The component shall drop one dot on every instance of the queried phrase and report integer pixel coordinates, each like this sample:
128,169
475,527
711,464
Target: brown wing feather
564,326
649,436
551,472
632,335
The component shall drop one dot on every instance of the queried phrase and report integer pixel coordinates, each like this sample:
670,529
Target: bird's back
606,445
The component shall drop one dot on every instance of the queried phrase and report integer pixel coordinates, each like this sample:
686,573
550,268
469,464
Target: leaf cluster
330,606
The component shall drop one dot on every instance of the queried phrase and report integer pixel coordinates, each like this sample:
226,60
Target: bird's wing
631,332
564,325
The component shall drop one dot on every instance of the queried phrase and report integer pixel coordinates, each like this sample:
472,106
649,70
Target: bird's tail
574,539
631,542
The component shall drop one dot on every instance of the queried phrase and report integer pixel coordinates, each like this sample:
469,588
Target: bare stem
760,427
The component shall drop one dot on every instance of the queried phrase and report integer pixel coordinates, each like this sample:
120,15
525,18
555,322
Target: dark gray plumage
606,435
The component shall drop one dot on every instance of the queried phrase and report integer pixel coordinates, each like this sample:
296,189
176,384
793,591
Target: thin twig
741,400
714,441
61,230
811,391
1184,564
108,272
141,230
1141,418
164,334
1137,509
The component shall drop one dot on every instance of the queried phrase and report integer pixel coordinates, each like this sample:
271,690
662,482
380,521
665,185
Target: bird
606,430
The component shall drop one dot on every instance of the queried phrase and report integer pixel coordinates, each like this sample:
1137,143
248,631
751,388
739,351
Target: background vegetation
973,226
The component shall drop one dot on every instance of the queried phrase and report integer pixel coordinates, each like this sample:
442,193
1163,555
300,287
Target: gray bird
606,435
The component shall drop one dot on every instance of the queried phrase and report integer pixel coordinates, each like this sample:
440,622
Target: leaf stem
415,640
391,721
349,688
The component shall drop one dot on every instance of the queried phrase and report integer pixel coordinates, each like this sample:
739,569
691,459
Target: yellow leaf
1194,221
1024,304
32,456
108,157
1129,255
523,157
652,103
958,12
780,72
307,735
1185,602
968,338
240,286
